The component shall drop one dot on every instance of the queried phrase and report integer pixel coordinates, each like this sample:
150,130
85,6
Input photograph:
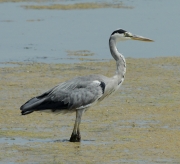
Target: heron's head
122,35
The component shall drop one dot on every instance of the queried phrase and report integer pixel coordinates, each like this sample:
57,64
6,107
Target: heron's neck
120,60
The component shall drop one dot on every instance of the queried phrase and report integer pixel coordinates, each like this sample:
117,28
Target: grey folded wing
67,96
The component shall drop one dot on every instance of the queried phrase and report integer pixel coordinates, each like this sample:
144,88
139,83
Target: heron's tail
31,105
34,104
42,103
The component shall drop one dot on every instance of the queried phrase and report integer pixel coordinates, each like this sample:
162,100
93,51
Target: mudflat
138,124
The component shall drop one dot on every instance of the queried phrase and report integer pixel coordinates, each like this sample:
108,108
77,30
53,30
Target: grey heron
80,93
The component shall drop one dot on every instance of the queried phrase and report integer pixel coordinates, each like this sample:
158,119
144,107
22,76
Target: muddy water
138,124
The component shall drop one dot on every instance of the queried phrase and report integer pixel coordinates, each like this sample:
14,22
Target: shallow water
20,141
47,35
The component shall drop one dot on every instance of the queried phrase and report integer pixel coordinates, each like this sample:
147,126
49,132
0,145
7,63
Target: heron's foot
75,138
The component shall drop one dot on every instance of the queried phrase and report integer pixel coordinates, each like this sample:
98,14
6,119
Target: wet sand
138,124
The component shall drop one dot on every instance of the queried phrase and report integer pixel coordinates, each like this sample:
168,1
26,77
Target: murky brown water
138,124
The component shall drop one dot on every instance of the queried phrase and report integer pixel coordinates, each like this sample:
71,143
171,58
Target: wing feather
75,94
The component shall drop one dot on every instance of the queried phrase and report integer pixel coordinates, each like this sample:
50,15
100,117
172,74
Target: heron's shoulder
92,77
83,82
84,79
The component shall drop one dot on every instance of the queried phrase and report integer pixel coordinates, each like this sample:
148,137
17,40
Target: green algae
79,53
78,6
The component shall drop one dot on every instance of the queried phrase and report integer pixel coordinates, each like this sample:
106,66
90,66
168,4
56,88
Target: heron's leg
75,127
76,137
78,130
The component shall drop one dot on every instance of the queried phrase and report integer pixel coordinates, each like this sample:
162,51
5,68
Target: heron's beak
141,38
